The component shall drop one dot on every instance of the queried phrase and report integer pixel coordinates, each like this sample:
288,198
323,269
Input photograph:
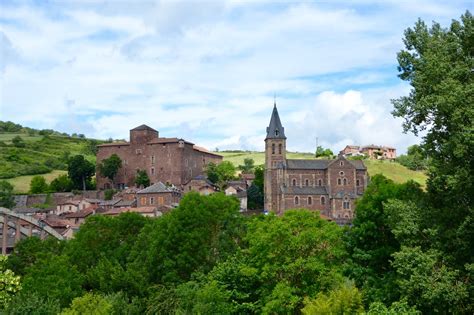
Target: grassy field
7,137
21,184
396,172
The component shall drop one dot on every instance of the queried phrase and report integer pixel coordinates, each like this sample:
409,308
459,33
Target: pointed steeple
275,130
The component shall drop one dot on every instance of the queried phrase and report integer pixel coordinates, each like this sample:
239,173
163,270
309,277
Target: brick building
168,160
328,186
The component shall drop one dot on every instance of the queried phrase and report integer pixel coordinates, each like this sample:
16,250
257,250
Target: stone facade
168,160
328,186
201,185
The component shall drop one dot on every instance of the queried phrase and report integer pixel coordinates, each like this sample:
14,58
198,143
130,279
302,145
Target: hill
26,151
395,171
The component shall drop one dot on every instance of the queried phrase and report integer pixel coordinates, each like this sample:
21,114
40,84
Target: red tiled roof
81,213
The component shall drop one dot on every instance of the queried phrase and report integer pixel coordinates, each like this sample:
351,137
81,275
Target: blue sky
207,70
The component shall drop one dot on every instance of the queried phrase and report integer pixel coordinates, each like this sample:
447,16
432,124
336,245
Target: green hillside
35,152
396,172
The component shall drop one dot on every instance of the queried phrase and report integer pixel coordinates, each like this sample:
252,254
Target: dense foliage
80,171
6,194
415,159
142,179
110,166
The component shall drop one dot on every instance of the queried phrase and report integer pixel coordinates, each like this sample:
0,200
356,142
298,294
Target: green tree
6,194
32,304
255,197
80,171
54,278
220,173
321,152
62,183
415,159
438,64
248,166
343,300
18,142
89,303
110,166
194,236
142,179
371,242
259,176
397,308
9,283
38,185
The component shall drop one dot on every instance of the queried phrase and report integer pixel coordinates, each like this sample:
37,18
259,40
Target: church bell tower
275,160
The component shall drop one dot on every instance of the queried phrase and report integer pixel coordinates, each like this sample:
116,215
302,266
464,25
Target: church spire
275,130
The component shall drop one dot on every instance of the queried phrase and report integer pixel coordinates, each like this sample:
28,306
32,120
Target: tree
109,167
220,173
258,181
321,152
6,194
437,62
18,142
38,185
61,183
80,171
415,159
343,300
248,166
89,303
255,197
9,283
142,179
32,303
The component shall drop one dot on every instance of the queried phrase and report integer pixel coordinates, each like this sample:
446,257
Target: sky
210,71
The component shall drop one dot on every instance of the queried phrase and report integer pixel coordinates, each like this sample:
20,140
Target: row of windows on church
346,204
340,182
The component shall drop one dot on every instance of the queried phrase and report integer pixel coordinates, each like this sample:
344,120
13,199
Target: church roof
305,190
143,127
307,164
275,129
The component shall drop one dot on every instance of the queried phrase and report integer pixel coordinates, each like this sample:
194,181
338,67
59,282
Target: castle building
172,161
328,186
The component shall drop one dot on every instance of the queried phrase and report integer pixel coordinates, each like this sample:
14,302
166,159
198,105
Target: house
68,206
330,187
248,178
200,184
109,204
169,160
379,152
151,212
351,150
240,193
78,217
157,195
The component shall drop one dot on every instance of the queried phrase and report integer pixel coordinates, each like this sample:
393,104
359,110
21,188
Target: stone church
328,186
171,161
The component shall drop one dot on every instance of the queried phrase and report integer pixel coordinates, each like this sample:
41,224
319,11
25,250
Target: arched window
320,182
306,182
345,181
277,132
357,183
310,200
273,148
294,182
339,181
297,200
279,148
323,200
341,163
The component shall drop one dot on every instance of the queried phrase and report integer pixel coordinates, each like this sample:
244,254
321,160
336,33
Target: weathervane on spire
274,99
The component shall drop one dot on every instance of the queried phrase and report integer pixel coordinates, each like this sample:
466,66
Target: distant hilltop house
328,186
371,151
173,161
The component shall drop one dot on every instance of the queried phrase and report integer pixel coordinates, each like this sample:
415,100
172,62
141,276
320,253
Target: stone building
158,195
169,160
328,186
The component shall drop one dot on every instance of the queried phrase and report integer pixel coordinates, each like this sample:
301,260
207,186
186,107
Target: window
152,159
294,182
341,163
273,148
310,200
152,171
277,132
320,182
297,200
357,183
143,201
346,203
323,200
306,182
345,181
152,200
341,173
279,148
138,151
339,181
161,201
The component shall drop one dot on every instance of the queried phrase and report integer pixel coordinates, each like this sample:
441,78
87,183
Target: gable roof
307,164
358,164
143,127
156,188
275,129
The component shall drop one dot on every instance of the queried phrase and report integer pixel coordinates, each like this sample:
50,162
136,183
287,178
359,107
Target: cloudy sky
208,71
